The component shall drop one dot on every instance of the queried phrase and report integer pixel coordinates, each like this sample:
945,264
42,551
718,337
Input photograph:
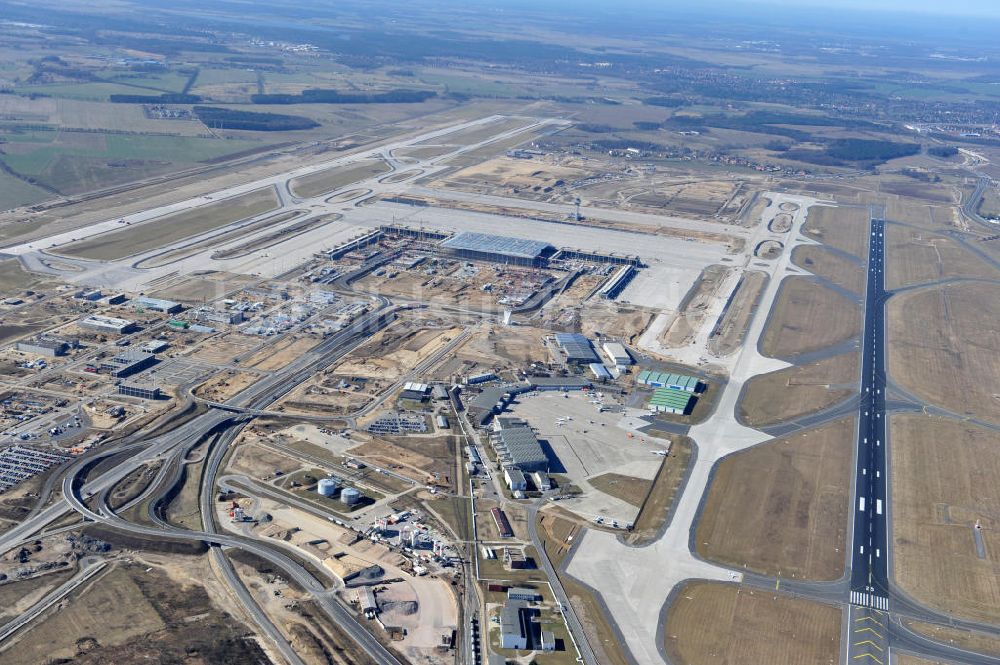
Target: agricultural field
808,316
172,228
942,347
782,507
945,477
711,622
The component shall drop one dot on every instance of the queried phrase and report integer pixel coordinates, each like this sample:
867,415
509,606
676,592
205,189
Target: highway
870,555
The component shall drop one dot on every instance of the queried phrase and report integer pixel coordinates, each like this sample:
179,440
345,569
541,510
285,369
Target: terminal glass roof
491,244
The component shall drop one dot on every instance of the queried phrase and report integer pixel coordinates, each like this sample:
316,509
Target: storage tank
350,496
328,486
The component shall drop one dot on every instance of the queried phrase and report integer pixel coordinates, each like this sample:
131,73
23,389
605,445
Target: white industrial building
515,479
513,630
106,324
618,354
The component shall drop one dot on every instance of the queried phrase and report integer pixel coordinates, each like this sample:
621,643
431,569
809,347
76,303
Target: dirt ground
322,182
260,463
732,326
722,623
914,256
782,507
945,476
173,610
224,385
389,353
223,349
278,355
836,268
798,390
694,307
843,228
614,319
943,345
808,317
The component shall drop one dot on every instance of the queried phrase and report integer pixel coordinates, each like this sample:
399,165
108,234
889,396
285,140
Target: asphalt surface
869,562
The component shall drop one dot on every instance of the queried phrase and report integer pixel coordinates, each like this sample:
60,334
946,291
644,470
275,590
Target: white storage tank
350,496
328,486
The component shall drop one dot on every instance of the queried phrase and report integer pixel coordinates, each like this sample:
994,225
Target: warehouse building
442,422
614,286
106,324
139,390
513,626
499,249
563,383
523,593
577,348
493,400
117,299
668,400
159,305
515,479
618,354
127,362
209,315
668,380
415,391
516,445
600,372
47,346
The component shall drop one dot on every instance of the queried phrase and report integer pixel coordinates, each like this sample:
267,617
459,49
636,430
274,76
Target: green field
15,192
166,230
72,162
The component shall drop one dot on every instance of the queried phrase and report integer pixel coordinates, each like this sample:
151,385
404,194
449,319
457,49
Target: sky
970,8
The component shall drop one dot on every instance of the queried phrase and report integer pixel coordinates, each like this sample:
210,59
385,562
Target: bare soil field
711,622
175,609
943,344
808,317
841,227
225,385
14,279
171,228
782,507
202,288
278,355
945,477
629,322
505,175
261,463
224,349
833,267
324,182
921,213
731,328
913,257
798,390
693,308
659,501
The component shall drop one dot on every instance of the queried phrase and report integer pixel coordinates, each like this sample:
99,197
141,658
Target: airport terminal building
499,249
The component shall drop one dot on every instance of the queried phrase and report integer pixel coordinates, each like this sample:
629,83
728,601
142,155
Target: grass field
14,279
913,257
798,390
166,230
843,228
329,180
627,488
837,269
782,507
945,476
963,639
943,344
712,623
808,317
662,495
989,206
15,192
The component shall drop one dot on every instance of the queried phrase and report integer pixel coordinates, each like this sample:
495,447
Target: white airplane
661,453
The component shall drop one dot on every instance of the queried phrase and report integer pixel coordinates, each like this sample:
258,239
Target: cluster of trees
854,152
214,116
325,96
165,98
942,151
